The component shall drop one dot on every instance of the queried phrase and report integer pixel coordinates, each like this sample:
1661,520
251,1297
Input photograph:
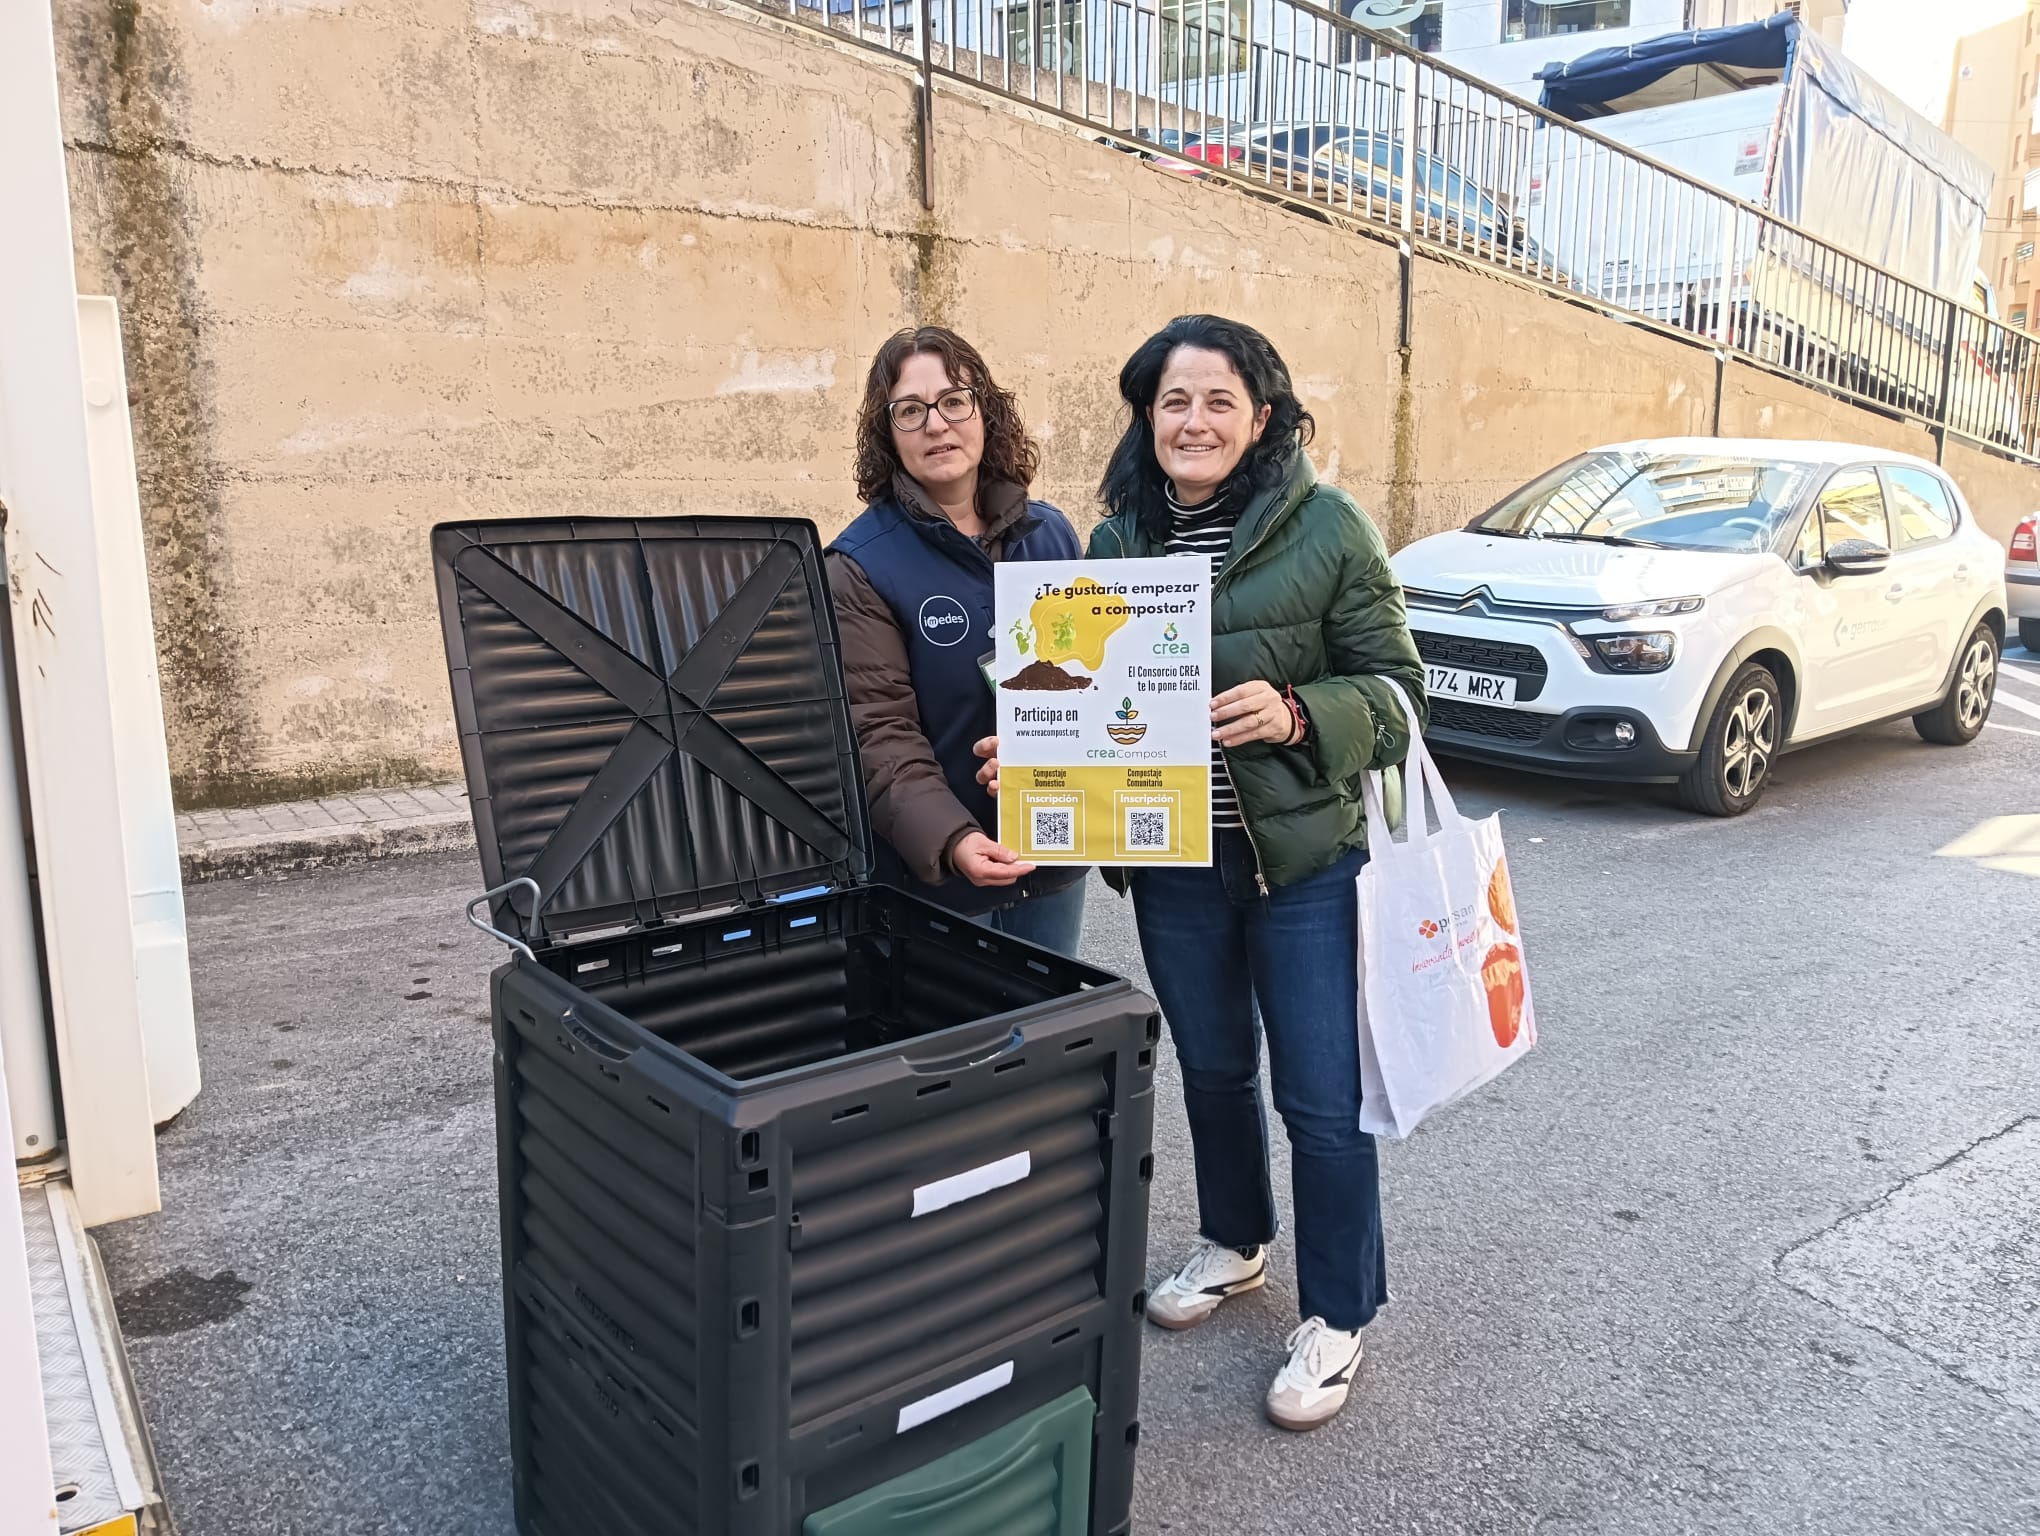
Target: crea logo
943,620
1126,727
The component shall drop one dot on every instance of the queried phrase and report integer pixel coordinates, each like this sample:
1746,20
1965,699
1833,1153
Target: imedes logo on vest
943,620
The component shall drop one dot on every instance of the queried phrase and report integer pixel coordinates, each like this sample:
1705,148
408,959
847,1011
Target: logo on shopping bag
1455,932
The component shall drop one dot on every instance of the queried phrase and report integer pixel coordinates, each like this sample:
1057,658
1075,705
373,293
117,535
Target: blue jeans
1054,921
1215,948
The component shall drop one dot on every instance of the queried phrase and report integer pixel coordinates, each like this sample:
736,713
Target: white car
1685,610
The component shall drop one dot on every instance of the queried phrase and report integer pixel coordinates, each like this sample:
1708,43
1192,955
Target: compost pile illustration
1045,677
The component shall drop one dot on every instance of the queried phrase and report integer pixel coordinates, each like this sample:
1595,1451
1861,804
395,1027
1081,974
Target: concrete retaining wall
1999,491
385,262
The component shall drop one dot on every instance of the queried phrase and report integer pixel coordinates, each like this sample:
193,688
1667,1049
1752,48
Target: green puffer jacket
1305,598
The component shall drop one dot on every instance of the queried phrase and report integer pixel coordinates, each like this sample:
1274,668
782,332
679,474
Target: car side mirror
1857,557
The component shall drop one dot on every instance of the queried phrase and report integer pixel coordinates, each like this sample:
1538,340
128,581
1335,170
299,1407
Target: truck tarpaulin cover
1855,165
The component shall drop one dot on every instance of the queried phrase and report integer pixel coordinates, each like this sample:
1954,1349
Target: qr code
1051,831
1147,829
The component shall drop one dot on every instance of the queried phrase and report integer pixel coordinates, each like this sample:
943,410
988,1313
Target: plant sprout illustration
1065,631
1170,632
1126,711
1023,637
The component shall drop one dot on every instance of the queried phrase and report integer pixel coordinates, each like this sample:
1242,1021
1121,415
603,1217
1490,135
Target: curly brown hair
1010,454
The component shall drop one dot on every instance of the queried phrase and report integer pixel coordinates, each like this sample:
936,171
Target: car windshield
1670,500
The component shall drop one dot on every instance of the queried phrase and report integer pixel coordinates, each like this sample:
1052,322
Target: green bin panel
1031,1478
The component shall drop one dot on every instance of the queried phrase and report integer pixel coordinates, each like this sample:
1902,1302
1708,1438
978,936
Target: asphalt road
1748,1245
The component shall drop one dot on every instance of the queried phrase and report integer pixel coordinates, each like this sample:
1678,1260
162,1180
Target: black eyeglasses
956,405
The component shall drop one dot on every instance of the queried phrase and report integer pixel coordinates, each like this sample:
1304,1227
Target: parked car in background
1687,610
2022,580
1193,154
1362,172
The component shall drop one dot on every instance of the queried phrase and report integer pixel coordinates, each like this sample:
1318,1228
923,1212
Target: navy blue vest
938,583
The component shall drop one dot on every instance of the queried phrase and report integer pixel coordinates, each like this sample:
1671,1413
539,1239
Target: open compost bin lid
651,714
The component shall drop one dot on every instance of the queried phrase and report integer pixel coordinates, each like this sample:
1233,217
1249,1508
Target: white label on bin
968,1185
934,1406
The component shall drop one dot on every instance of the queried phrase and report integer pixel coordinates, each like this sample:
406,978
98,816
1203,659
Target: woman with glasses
943,465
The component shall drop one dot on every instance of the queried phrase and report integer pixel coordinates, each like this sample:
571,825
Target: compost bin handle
491,929
976,1056
601,1045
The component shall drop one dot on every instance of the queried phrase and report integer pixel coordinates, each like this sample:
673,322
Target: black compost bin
806,1183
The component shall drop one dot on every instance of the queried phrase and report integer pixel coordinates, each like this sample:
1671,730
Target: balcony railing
1300,104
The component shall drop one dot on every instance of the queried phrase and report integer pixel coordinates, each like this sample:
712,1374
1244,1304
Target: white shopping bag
1444,995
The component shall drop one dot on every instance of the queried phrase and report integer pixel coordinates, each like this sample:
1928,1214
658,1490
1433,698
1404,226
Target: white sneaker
1210,1275
1313,1385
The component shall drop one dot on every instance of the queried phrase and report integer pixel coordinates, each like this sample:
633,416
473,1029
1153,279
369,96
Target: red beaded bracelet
1301,724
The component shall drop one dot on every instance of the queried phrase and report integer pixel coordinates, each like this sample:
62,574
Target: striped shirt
1207,529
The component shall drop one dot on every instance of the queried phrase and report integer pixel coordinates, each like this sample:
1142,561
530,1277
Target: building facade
1994,110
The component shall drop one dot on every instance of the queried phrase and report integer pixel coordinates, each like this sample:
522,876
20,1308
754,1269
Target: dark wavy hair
1133,476
1010,454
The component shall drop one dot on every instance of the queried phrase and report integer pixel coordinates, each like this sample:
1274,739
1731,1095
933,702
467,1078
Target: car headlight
1636,653
1663,609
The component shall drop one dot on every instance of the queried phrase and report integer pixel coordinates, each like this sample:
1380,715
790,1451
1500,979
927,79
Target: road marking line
2013,702
2010,843
2016,730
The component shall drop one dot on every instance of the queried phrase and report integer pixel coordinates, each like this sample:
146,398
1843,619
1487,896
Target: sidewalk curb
329,848
326,834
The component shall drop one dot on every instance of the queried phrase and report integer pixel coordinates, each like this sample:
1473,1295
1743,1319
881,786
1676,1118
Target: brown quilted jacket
911,806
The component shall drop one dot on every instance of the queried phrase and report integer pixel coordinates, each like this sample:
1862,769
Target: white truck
1766,113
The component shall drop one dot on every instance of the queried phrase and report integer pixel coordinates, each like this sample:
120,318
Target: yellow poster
1103,676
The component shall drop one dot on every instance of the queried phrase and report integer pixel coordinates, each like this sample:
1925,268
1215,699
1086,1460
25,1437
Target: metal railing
1300,104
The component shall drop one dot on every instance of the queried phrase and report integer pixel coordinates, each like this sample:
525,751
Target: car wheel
1741,744
1959,717
2029,634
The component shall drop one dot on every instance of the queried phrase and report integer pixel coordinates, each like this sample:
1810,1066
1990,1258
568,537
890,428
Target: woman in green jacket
1307,629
